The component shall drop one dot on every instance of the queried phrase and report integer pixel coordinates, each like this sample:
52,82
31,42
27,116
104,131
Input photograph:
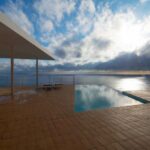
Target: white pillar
37,74
12,73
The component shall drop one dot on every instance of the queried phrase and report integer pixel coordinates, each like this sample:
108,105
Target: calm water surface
88,97
123,83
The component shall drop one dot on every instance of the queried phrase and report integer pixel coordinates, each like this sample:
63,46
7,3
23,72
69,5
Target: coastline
106,73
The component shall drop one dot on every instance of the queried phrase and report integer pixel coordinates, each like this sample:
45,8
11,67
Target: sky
80,32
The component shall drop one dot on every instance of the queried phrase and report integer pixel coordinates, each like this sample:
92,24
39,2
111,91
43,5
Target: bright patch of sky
83,31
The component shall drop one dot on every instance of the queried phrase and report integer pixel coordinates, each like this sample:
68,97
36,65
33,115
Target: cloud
15,11
85,16
46,25
50,15
54,9
4,64
100,43
77,54
60,53
111,34
144,50
143,1
84,32
82,23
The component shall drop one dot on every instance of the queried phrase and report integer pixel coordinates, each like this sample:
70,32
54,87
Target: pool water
89,97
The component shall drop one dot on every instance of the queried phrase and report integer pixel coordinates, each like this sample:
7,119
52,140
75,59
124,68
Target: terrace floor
47,121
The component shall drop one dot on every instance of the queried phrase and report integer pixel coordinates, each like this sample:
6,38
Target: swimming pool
89,97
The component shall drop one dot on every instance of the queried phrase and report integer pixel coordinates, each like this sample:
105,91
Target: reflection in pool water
23,96
26,92
89,97
4,98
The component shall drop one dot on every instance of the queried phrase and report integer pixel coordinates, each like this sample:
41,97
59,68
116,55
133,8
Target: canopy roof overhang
12,38
15,43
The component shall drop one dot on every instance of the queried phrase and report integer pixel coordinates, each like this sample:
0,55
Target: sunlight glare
130,84
128,36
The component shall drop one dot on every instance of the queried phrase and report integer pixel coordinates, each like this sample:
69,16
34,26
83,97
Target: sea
120,82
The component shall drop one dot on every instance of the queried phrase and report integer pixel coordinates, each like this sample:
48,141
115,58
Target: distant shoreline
106,73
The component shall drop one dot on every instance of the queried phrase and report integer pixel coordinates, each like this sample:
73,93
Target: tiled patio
47,121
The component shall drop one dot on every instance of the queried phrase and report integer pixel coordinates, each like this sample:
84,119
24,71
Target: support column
37,74
12,74
74,79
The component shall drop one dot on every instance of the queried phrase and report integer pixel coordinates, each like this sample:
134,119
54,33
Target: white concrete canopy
24,47
15,43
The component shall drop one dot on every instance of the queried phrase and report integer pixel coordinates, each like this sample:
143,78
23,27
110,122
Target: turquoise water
89,97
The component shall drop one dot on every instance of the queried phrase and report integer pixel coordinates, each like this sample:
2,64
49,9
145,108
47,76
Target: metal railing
30,80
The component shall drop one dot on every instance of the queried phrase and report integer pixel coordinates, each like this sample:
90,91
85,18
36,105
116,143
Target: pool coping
135,97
